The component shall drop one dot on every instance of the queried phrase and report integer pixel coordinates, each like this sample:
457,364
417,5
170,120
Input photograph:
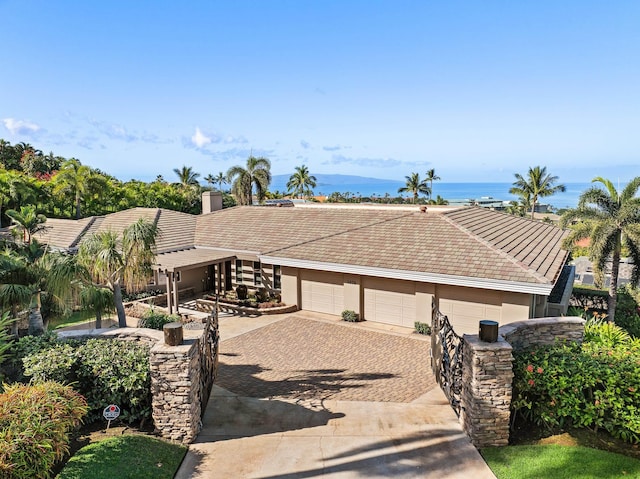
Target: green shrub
627,312
242,291
351,316
35,421
105,371
26,346
594,385
5,336
422,328
153,319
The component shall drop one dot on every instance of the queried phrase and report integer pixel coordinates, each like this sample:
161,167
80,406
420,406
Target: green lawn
77,317
125,457
559,462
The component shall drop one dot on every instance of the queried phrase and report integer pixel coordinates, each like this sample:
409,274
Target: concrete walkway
308,437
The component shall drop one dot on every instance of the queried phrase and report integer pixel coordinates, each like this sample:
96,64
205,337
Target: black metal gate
209,356
446,357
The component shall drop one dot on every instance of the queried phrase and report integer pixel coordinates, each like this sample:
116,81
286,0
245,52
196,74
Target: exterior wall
466,306
290,286
515,307
425,294
353,293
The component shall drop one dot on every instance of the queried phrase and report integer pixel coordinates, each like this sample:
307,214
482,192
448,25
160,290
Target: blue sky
477,90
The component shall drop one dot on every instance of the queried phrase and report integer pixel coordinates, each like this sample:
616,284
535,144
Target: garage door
465,309
322,292
390,302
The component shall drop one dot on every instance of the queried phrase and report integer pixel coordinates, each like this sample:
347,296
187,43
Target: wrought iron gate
446,357
209,356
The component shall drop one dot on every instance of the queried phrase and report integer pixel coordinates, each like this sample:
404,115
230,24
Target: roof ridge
84,230
494,248
339,233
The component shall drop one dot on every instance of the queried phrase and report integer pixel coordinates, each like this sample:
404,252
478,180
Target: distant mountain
335,180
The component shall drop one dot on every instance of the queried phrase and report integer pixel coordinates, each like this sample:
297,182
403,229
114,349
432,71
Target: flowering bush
594,385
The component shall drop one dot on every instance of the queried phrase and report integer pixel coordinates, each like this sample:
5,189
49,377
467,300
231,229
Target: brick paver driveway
299,358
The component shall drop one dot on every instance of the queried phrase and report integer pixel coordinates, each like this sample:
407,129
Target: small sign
111,412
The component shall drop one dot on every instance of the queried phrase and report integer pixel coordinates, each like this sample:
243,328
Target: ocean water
449,191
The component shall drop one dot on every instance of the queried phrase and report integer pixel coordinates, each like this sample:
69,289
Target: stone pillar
175,389
487,376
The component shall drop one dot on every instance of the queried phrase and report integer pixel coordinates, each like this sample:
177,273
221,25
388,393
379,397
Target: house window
239,271
277,277
257,274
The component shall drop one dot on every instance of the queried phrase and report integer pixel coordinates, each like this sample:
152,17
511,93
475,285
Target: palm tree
538,184
220,179
610,219
431,177
301,182
98,300
210,179
187,176
73,177
27,272
27,221
256,174
116,261
415,186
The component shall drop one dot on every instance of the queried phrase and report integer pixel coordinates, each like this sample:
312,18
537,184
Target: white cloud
20,127
200,139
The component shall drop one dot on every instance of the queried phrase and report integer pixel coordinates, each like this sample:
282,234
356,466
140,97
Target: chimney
211,201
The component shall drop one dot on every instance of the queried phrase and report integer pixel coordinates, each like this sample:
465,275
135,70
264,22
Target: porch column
175,292
219,277
169,306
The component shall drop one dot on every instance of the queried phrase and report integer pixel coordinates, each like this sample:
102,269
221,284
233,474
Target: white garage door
390,302
465,315
322,292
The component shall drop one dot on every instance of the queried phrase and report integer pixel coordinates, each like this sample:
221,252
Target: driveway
304,396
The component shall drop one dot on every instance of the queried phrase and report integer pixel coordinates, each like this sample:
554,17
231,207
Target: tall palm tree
256,175
220,179
117,262
611,219
73,177
27,221
537,184
301,182
187,176
431,177
210,179
415,186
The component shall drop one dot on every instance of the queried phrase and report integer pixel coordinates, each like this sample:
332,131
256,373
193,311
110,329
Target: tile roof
471,242
176,230
62,233
432,243
462,242
263,229
190,258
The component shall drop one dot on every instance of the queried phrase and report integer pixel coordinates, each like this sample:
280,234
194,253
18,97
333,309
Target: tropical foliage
535,185
301,183
594,385
255,176
415,186
35,422
116,261
611,219
431,177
